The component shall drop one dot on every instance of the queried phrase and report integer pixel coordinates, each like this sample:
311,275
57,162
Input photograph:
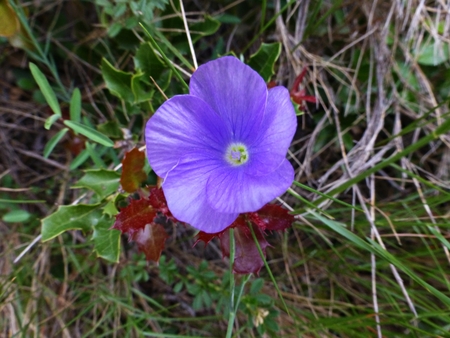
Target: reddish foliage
132,174
271,84
75,143
142,218
135,216
299,95
273,217
139,220
247,259
158,201
151,240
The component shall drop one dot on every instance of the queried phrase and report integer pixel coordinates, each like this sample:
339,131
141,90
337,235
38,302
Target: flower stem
232,313
268,269
234,306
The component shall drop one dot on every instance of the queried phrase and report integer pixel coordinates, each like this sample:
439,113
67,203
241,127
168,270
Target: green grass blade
90,133
440,130
45,88
75,105
51,144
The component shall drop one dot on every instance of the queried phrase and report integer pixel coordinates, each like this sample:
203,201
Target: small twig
159,88
37,239
188,35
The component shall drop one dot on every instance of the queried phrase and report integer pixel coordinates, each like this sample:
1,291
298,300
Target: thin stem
188,34
166,60
232,314
263,14
272,278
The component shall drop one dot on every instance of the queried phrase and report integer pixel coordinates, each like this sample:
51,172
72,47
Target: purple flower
221,150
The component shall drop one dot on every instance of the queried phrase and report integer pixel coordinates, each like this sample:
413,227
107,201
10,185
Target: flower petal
231,190
183,125
185,193
278,126
235,91
268,148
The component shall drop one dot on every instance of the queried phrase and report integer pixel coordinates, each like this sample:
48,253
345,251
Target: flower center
237,154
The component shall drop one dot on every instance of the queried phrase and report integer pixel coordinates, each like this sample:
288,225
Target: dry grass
364,67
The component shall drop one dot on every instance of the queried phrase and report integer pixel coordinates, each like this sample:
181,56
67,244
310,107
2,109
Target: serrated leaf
90,133
140,93
148,62
272,217
70,217
132,170
75,105
117,81
110,209
264,59
51,144
151,241
208,26
140,220
135,216
106,240
45,88
9,23
103,182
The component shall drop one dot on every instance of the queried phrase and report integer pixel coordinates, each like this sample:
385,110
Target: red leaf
206,237
247,258
271,84
151,240
135,216
140,221
158,201
132,174
299,95
273,217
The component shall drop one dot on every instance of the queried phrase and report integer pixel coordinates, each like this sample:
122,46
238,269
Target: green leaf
141,94
70,217
51,144
103,182
117,81
45,88
90,133
147,61
75,105
111,129
16,216
106,240
433,54
15,201
110,208
94,155
50,120
228,18
264,59
79,160
206,27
